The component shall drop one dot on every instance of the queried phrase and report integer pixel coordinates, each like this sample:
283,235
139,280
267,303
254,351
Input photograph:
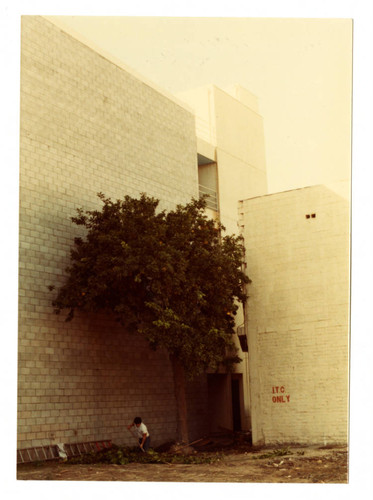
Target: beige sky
300,69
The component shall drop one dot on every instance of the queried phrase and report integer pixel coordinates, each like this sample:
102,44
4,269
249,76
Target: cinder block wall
87,125
298,315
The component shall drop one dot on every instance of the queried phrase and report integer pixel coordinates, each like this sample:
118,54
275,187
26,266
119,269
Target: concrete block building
89,124
298,247
231,166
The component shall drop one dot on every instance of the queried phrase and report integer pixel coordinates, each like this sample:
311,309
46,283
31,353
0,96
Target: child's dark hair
137,420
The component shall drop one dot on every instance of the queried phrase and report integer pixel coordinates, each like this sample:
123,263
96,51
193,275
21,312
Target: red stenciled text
280,396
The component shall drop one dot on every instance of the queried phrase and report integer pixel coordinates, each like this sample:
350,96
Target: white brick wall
89,126
298,315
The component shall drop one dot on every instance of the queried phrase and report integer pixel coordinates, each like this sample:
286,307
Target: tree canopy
170,276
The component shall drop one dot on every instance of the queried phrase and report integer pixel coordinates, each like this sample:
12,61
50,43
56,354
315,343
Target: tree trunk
179,386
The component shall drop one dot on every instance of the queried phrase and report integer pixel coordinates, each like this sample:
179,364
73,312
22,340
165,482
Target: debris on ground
219,458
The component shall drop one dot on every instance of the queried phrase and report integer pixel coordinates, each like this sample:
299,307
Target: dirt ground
236,465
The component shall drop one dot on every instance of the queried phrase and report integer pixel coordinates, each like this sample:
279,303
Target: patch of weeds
275,453
122,456
200,458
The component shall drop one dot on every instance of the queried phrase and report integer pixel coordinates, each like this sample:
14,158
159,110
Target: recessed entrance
225,402
236,404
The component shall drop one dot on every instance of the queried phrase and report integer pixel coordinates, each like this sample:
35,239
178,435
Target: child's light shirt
141,430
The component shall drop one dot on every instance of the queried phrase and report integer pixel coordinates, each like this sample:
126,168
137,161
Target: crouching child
141,433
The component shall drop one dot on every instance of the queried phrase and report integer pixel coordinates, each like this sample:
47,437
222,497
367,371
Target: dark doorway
236,406
219,402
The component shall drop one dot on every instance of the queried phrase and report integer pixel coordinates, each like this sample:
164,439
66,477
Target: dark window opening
243,343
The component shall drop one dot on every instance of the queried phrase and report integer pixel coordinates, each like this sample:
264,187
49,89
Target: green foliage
170,276
123,456
275,453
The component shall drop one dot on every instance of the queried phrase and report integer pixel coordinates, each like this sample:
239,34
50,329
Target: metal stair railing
212,197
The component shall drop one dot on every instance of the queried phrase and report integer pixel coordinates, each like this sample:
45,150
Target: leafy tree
169,276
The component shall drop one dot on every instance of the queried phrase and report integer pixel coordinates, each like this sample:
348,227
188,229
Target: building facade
89,125
297,248
231,166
